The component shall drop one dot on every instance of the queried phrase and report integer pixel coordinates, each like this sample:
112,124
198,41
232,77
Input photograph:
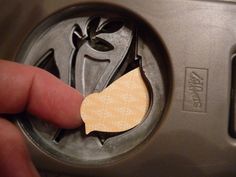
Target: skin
26,88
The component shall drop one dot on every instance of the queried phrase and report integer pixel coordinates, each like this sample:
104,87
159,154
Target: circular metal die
88,47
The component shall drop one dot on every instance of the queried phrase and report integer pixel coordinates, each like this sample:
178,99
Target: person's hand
26,88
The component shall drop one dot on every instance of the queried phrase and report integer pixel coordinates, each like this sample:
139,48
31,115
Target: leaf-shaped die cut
111,26
119,107
92,26
101,45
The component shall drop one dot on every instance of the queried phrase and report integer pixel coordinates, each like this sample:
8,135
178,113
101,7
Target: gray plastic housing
193,137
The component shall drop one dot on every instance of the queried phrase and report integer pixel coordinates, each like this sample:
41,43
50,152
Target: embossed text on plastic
195,89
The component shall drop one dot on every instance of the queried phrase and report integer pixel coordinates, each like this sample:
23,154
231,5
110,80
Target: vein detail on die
119,107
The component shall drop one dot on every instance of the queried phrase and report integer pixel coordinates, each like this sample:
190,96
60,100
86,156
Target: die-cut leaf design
120,107
92,27
111,26
101,44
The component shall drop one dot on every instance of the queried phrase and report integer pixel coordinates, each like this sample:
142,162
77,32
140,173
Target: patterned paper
119,107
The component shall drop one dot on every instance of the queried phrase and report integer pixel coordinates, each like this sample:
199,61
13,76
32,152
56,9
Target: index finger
40,93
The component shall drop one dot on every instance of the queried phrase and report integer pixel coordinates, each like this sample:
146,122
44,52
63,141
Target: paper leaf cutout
119,107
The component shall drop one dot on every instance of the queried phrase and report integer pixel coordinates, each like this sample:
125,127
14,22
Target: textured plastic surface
193,137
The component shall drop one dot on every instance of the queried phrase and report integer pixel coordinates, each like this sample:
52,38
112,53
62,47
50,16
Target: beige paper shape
119,107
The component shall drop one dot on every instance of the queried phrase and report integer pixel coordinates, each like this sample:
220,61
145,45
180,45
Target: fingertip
28,88
54,101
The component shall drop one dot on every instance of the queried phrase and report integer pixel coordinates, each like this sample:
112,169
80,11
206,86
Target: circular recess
89,46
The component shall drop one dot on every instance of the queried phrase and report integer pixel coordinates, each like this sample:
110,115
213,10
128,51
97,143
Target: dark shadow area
17,19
